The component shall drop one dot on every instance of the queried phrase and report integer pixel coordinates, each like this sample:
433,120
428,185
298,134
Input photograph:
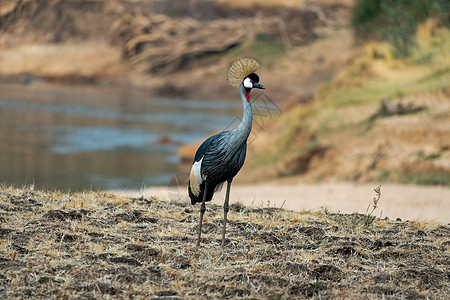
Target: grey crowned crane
220,157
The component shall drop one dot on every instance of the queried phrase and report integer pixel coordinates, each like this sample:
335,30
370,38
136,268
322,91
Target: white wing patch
195,178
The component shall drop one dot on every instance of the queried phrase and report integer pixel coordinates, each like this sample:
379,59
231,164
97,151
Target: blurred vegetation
263,46
374,75
396,21
433,177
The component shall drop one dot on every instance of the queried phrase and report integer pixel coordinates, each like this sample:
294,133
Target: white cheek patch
248,83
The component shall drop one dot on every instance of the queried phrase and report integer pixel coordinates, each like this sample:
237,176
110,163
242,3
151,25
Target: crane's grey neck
242,132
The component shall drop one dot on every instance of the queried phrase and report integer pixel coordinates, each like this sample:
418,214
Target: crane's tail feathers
209,193
219,187
196,198
241,67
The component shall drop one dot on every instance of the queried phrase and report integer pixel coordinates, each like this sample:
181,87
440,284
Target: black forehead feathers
253,77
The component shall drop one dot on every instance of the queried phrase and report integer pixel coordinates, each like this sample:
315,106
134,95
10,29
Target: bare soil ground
93,245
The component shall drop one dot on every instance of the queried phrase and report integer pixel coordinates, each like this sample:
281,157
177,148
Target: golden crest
241,67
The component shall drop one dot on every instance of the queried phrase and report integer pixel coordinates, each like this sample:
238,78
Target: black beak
258,86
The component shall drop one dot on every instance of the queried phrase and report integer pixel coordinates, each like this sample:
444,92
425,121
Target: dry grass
93,245
284,3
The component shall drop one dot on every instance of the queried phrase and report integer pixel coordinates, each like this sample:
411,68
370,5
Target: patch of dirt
53,246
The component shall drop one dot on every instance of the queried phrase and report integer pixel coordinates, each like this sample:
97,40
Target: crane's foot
199,238
224,230
226,208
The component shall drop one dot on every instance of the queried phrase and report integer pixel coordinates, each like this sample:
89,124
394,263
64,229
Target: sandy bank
408,202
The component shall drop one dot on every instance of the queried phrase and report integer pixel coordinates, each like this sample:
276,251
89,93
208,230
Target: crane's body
220,157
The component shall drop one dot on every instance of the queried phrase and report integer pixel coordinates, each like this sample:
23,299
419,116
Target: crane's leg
202,211
225,211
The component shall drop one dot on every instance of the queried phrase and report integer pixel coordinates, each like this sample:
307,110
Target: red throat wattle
247,95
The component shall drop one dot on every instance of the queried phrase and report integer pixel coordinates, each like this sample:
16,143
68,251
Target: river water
78,139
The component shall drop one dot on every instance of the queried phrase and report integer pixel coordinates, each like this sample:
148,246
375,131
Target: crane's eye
248,83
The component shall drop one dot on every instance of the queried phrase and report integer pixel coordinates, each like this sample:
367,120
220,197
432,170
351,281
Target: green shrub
396,21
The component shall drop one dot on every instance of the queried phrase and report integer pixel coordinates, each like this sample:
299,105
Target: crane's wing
223,158
204,146
197,176
217,160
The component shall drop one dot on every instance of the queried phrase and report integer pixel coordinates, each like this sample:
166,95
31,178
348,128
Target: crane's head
241,71
251,81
